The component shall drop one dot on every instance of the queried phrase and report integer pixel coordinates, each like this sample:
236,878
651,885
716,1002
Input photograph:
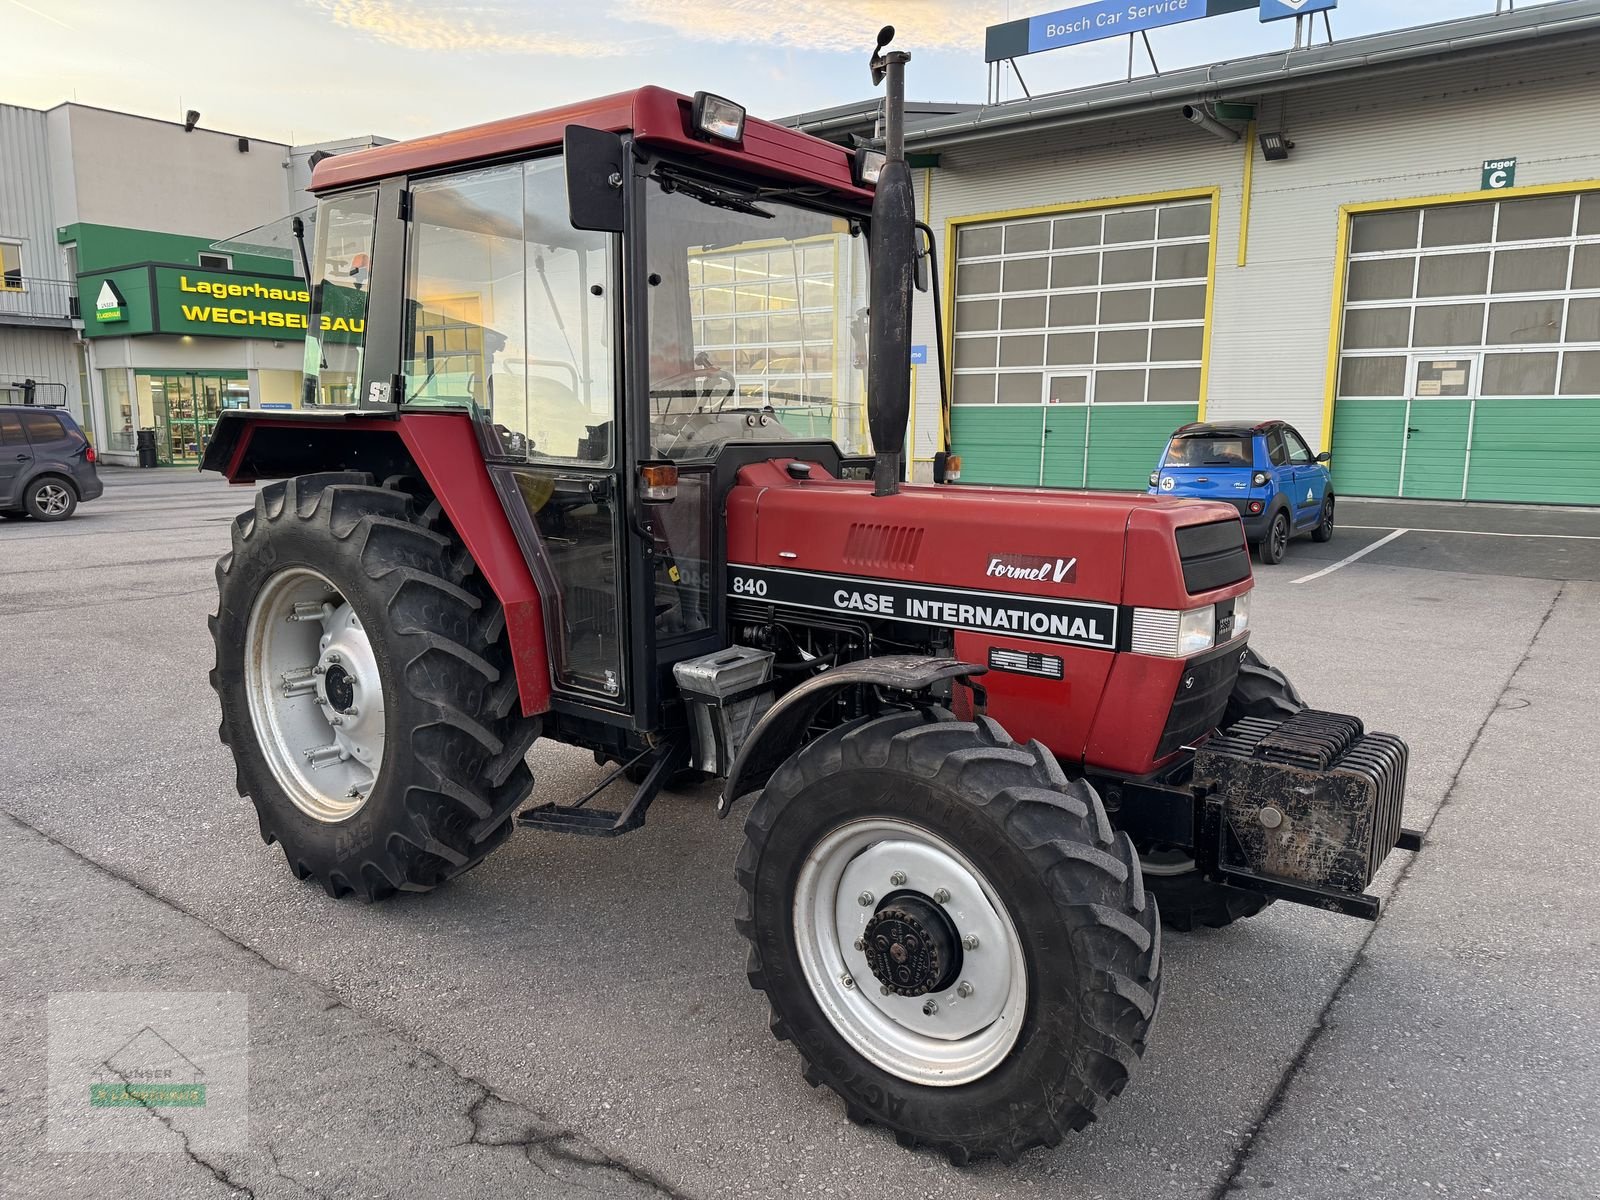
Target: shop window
117,399
1069,349
1586,266
11,266
1524,321
978,314
1130,266
1180,303
1583,319
1186,261
1135,225
1125,307
973,389
1119,387
1069,389
1377,328
1025,312
1189,220
1519,374
976,352
1020,388
1175,385
1075,309
1026,275
215,262
1589,215
1023,239
1123,346
1025,351
1182,344
1445,377
1075,270
1071,232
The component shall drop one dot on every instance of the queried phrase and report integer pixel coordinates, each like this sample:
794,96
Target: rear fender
784,728
443,448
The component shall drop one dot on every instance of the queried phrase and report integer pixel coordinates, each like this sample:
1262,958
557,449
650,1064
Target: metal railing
45,299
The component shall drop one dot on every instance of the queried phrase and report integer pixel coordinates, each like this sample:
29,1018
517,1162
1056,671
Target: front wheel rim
942,1038
315,694
51,499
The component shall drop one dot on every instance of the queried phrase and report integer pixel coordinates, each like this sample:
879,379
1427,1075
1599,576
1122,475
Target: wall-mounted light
190,120
1275,147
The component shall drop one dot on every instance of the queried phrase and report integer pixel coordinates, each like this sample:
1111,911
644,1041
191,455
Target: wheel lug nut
929,1008
847,980
970,941
865,899
898,879
861,943
963,989
883,989
942,896
336,719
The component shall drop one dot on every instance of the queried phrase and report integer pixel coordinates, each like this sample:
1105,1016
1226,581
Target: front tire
366,687
1027,1007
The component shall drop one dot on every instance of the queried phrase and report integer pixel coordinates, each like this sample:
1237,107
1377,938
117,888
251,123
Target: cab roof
1225,429
655,116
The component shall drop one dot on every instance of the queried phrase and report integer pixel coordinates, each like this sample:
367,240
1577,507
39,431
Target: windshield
337,323
1208,452
757,322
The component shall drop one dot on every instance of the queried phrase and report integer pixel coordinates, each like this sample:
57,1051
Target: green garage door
1037,445
1469,366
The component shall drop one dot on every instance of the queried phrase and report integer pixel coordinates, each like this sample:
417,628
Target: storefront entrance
183,406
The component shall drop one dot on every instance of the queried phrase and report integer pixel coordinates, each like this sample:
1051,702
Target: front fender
783,729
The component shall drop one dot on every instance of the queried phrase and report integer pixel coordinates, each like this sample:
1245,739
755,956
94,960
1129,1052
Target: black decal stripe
815,590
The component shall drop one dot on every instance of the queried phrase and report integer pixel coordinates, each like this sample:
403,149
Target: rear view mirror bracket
596,165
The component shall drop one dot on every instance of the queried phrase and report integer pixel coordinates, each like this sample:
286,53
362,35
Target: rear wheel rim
1280,535
315,694
849,876
51,499
1327,516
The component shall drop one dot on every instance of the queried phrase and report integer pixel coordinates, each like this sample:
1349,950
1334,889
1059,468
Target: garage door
1079,340
1470,352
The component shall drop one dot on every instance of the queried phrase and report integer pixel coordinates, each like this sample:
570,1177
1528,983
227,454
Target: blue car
1266,471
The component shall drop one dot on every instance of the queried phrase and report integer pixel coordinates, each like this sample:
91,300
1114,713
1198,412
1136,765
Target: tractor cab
630,298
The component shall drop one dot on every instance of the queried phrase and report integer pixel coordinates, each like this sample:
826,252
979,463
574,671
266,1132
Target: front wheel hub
911,946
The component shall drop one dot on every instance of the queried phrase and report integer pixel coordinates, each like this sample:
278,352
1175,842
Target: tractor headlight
1171,633
868,166
717,117
1241,614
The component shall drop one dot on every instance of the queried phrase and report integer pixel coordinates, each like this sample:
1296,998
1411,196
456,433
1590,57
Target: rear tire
1078,984
50,498
1275,542
1324,530
444,766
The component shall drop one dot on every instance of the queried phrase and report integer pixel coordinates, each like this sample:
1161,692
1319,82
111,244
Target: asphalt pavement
573,1017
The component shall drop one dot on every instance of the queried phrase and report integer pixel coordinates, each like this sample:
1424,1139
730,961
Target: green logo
147,1095
1499,173
110,304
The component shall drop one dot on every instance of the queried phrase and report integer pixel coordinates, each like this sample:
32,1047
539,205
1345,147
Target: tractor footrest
588,822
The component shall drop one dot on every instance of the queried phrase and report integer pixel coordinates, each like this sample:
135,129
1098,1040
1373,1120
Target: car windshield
757,321
1208,452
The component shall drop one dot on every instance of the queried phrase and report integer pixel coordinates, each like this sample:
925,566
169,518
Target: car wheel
1276,543
51,498
1324,529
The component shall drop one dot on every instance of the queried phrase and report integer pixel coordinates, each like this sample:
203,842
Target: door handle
1410,429
22,458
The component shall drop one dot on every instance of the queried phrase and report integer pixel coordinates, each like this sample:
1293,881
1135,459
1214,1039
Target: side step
594,822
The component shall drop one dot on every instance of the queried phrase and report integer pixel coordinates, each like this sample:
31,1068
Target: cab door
1310,486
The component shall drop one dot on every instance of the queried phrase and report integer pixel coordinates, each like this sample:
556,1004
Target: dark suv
46,464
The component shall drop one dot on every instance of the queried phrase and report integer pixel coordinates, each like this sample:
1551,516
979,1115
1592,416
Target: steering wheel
692,379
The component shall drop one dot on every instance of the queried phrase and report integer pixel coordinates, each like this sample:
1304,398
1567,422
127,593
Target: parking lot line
1570,537
1345,562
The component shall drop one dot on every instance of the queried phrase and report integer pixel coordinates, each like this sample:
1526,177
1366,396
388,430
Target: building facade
1415,285
118,302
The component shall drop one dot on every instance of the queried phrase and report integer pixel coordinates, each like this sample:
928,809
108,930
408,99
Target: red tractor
583,455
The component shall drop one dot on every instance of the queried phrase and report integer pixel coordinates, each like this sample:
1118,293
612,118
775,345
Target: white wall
1393,137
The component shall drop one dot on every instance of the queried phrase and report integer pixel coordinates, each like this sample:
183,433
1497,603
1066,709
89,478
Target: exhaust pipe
1197,115
893,250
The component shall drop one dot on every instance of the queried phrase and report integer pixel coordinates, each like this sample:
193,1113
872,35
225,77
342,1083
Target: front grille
1336,794
1212,556
1200,699
882,545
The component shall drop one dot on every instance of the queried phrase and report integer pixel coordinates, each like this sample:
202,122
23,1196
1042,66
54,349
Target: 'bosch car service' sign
1071,622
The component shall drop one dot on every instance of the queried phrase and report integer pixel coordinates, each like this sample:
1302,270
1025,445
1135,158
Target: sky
312,70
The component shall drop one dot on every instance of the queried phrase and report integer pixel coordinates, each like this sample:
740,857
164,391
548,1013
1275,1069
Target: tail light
1155,478
1255,508
88,453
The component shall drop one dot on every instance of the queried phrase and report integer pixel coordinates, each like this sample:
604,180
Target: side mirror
596,172
1324,457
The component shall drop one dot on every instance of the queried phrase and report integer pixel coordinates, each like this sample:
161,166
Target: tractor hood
1108,548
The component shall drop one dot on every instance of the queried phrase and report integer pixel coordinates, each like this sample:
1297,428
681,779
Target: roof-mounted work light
717,117
866,165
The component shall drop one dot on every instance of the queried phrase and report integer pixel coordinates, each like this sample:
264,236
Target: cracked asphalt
572,1018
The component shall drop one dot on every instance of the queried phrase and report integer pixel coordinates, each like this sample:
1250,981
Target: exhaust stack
893,251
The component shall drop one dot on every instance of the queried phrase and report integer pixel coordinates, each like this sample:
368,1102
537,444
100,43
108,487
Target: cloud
848,25
454,27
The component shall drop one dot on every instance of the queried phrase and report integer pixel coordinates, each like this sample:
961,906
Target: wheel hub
340,688
911,946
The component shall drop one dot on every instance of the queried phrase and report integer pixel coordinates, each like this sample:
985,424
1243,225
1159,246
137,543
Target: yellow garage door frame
1342,264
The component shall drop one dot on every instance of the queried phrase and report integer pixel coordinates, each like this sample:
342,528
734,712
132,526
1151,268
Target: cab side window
1277,452
43,427
1299,453
11,430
